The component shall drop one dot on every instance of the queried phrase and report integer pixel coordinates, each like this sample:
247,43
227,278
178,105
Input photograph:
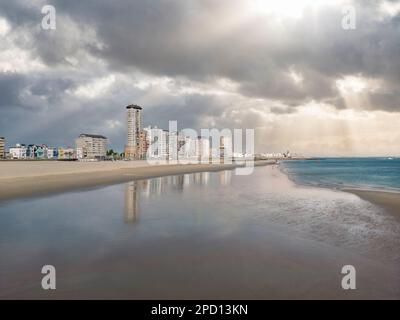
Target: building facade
18,152
52,153
187,147
157,143
133,132
66,154
164,145
203,149
91,146
2,147
33,152
143,145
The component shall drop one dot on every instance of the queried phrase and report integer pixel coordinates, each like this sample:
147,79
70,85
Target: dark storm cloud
386,101
19,12
189,113
203,39
24,90
198,41
51,88
10,86
24,107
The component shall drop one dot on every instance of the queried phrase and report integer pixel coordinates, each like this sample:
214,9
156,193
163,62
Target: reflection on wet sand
201,178
210,236
225,178
131,202
155,187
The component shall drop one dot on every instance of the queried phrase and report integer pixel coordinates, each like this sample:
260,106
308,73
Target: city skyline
145,143
334,94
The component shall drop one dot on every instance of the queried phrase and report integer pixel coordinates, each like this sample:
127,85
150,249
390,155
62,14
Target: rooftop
86,135
133,106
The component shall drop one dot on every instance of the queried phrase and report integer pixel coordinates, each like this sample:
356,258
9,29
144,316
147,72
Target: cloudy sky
287,69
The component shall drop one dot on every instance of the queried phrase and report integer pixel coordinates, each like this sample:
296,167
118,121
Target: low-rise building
18,151
52,153
34,151
66,154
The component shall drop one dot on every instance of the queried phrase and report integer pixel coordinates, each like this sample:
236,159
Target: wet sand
30,178
386,199
211,243
250,264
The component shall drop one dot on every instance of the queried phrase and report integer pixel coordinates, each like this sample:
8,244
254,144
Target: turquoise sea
368,173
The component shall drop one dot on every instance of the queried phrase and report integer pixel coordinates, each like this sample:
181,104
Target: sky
287,69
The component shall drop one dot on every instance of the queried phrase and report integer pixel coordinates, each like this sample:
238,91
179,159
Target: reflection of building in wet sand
186,180
225,177
155,187
179,182
201,178
151,187
131,202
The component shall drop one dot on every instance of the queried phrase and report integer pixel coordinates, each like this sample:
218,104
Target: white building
173,145
165,145
18,152
79,153
52,153
157,141
203,149
91,146
187,147
180,146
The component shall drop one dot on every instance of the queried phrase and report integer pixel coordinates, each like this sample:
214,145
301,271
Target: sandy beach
31,178
35,178
389,200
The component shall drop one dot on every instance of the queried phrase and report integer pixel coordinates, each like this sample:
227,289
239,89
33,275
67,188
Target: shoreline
18,180
387,199
60,177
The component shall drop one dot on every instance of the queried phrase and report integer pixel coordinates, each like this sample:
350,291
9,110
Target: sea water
366,173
